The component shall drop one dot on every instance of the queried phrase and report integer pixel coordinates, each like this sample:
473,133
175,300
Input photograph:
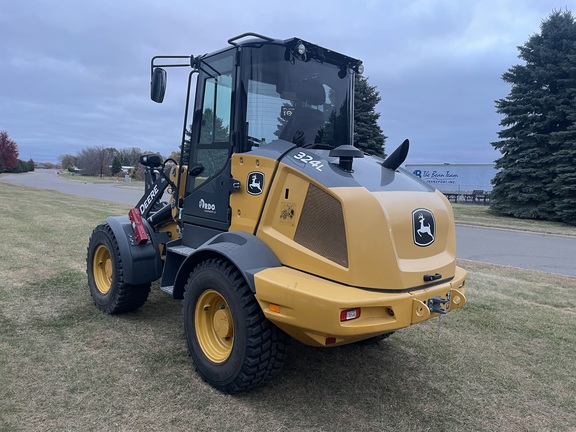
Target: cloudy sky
75,73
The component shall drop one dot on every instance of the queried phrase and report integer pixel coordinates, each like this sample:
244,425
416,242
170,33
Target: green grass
502,363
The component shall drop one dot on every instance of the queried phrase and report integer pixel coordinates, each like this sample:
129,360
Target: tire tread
266,344
125,297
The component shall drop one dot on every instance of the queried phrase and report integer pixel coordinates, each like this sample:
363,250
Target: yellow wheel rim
102,269
214,326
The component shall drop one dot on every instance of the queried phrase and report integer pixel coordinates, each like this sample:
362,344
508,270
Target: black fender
141,262
245,251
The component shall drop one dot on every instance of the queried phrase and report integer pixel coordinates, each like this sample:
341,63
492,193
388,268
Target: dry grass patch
504,362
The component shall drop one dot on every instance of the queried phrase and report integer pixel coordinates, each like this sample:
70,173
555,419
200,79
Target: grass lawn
505,362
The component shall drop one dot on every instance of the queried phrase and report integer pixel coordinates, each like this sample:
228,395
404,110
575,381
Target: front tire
232,344
105,275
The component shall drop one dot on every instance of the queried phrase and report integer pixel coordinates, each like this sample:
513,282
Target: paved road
552,254
119,192
548,253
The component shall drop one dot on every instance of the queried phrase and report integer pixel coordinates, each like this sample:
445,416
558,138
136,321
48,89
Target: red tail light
349,314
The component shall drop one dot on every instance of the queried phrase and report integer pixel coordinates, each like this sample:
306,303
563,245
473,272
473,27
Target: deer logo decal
423,227
255,183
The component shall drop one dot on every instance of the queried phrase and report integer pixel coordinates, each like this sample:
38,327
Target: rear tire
233,346
105,275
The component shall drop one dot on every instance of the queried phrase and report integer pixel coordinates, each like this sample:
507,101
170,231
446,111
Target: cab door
207,197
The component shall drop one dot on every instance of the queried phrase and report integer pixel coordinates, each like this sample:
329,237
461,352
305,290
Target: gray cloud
76,74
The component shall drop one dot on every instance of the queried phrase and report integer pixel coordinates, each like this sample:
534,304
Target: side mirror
158,85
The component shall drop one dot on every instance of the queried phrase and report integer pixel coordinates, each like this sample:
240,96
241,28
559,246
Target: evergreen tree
538,143
116,166
368,135
212,130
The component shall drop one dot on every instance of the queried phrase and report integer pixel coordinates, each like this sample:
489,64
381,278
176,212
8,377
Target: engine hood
372,228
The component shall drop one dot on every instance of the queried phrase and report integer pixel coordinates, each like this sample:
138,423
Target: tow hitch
435,304
421,309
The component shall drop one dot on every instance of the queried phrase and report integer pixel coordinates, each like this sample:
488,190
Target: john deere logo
255,183
423,227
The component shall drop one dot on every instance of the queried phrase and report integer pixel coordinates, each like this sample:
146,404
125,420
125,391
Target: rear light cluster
349,314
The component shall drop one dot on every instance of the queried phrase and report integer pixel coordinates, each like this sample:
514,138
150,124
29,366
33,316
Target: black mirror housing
158,85
153,160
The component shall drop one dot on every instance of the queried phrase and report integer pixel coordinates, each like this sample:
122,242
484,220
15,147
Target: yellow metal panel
378,230
284,205
181,187
308,308
246,208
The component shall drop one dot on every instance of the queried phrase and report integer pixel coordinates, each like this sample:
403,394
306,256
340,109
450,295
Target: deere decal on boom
276,226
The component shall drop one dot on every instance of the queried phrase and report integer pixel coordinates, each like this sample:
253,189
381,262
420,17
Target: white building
458,178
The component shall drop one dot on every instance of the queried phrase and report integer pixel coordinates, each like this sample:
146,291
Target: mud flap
141,262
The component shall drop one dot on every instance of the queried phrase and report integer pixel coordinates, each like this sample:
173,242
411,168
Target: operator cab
267,89
255,92
264,90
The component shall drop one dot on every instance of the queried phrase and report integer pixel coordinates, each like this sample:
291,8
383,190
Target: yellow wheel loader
272,225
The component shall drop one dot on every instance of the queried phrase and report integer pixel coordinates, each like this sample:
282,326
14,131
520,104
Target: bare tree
130,156
67,161
94,161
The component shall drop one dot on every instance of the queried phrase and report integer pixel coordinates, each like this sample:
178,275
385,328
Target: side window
212,143
266,112
215,125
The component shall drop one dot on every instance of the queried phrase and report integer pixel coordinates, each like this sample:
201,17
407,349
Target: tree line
103,161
